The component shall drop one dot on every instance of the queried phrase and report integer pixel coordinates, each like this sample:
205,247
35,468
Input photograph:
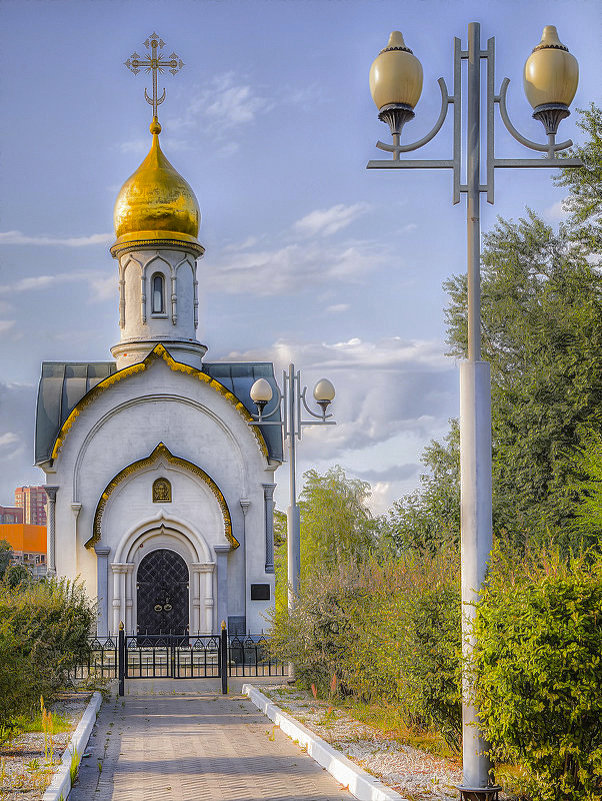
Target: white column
207,597
222,552
116,604
51,529
119,594
268,497
195,597
102,622
129,598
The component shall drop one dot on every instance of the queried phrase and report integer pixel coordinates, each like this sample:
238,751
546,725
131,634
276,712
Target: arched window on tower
158,294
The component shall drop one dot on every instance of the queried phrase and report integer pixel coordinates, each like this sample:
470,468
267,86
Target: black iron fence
179,657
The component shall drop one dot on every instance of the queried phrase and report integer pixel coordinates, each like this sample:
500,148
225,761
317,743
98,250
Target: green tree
336,523
584,202
542,334
431,514
6,554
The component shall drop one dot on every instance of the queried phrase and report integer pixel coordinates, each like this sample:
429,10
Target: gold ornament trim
160,452
158,352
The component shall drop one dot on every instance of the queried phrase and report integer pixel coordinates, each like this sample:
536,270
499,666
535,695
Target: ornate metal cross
155,63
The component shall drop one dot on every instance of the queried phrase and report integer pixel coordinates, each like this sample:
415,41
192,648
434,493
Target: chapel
160,488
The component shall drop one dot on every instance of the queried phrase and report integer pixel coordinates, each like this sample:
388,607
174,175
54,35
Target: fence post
121,659
224,658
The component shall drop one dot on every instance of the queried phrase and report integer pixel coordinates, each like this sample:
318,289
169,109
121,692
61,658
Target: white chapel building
160,492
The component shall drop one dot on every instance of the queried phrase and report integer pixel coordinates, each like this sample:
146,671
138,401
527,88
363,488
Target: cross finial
155,63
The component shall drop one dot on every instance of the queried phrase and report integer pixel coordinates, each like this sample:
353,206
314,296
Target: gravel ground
25,770
416,775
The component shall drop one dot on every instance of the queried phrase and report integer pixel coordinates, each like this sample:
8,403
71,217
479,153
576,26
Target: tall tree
336,523
542,334
430,515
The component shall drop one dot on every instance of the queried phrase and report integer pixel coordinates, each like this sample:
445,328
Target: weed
33,766
74,766
99,765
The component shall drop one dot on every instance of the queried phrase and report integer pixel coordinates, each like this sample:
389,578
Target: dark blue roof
64,384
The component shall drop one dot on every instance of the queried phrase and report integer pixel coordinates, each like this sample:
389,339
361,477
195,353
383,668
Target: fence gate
179,656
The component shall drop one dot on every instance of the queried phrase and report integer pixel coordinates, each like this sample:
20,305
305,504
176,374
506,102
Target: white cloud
221,104
18,238
328,221
102,285
6,325
383,388
392,397
337,308
290,268
407,229
555,212
8,439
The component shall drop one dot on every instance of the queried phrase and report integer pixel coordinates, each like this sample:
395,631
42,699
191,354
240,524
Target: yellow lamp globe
551,78
396,83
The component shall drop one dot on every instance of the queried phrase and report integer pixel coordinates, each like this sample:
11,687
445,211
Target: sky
309,257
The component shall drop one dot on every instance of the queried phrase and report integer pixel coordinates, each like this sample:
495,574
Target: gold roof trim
160,452
158,352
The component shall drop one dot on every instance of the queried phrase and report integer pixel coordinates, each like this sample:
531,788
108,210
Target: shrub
389,632
44,630
538,673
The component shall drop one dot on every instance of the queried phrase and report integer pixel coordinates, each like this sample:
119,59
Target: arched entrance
162,588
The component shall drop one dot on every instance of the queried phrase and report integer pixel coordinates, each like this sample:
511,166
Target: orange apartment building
28,543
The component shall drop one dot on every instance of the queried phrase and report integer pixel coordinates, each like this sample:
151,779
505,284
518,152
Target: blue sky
308,256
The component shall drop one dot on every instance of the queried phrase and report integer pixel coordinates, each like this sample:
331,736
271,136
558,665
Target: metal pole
293,516
475,433
224,658
121,659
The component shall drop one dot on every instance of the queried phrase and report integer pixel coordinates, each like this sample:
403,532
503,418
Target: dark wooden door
162,594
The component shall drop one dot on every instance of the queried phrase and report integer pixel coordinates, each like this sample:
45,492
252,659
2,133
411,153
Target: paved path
198,746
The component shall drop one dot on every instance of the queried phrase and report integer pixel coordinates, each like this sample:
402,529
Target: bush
44,630
538,673
389,632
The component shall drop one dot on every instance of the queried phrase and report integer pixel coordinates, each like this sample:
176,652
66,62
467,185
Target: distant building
28,543
11,514
33,502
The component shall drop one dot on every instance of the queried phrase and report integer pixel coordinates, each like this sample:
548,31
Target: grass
34,723
389,721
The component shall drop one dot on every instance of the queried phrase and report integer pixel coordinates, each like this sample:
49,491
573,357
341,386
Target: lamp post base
479,793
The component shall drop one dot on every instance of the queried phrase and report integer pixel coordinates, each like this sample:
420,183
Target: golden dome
156,203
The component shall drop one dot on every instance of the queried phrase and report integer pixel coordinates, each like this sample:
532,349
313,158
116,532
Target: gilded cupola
156,205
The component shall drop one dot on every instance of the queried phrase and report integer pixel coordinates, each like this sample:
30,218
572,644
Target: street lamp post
550,81
292,400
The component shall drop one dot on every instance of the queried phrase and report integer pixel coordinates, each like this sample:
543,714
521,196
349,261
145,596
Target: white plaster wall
137,269
124,424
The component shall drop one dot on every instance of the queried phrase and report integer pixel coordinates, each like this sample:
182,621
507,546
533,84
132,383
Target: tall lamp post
550,81
292,400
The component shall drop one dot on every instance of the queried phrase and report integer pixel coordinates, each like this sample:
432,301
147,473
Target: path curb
361,785
60,786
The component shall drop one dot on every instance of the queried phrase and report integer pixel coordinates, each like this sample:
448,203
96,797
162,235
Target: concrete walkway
170,740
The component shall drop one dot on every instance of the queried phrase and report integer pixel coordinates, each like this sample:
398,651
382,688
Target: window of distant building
158,294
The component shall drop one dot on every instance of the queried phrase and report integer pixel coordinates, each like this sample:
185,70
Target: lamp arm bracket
322,416
261,417
547,148
445,101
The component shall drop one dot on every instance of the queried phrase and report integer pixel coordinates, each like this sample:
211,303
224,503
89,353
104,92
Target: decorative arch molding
192,546
155,263
160,452
158,352
151,398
